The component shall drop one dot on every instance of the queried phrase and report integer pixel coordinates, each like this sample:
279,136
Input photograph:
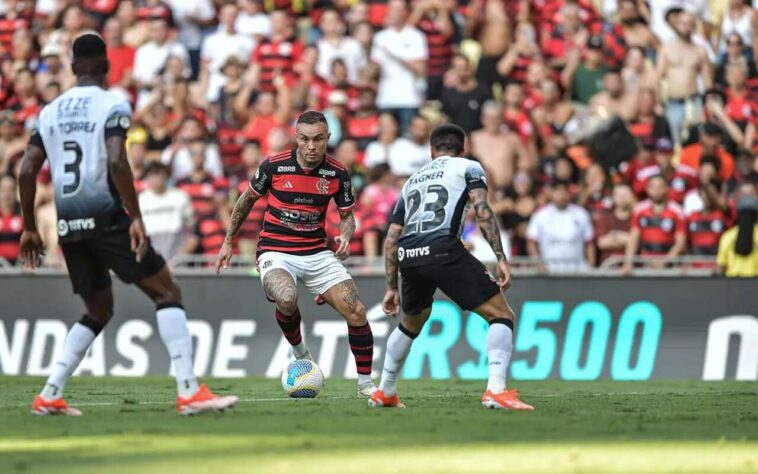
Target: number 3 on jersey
73,168
433,200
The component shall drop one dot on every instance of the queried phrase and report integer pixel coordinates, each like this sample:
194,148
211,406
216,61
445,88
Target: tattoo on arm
347,225
390,255
239,214
487,222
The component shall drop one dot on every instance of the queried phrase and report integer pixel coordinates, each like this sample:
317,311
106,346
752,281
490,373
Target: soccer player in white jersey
423,242
82,134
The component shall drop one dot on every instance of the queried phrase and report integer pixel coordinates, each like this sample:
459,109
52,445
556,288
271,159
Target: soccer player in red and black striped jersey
659,228
292,246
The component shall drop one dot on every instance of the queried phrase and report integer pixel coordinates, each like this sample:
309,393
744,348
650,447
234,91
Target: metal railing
686,265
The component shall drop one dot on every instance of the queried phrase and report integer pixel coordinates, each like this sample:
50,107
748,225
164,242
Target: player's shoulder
331,163
277,160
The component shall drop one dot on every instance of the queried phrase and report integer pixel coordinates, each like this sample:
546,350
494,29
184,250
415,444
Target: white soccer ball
302,379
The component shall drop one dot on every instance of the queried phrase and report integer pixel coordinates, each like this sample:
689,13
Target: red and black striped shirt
658,229
11,227
276,57
203,192
440,47
297,202
9,26
253,225
705,229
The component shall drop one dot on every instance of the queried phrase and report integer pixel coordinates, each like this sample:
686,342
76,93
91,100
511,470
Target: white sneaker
306,356
366,390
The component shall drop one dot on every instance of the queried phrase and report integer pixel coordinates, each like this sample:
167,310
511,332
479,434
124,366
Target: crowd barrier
570,328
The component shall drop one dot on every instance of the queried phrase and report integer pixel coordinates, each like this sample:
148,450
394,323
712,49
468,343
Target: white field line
353,397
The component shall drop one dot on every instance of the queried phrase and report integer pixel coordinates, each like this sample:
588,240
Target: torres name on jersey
297,202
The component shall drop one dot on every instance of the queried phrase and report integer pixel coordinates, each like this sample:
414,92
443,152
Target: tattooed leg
344,298
281,288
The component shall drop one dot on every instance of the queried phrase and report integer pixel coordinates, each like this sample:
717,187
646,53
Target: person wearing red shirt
247,238
681,178
11,225
709,143
659,228
276,55
706,226
120,55
363,125
514,115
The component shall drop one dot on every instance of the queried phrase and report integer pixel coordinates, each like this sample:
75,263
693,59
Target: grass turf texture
131,425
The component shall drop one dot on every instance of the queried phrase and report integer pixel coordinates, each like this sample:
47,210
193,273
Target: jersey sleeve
119,120
344,197
475,177
36,139
261,182
398,212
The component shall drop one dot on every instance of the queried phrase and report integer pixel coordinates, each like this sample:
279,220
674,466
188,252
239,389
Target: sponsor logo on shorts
75,225
412,253
266,264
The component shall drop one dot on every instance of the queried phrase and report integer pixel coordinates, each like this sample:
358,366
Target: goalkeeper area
131,425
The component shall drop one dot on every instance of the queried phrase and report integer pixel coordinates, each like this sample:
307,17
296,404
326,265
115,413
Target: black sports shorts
89,260
465,280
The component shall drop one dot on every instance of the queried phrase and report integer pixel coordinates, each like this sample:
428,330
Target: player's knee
170,294
287,301
414,323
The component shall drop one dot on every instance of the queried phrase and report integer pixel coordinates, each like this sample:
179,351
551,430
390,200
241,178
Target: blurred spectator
247,239
522,54
595,194
637,34
705,226
738,247
638,73
462,96
217,48
54,68
664,12
252,21
732,135
563,42
167,213
499,151
734,54
648,123
612,228
551,117
681,63
178,155
347,154
434,19
120,55
560,234
336,114
335,45
153,56
709,138
516,118
401,52
740,19
584,78
25,101
192,17
377,200
659,228
275,56
136,150
11,224
708,183
614,100
363,125
12,144
514,207
405,156
488,23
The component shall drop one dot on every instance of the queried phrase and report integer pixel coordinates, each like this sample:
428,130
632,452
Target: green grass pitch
130,425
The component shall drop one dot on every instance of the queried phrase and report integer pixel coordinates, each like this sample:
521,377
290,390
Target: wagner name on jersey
72,131
432,207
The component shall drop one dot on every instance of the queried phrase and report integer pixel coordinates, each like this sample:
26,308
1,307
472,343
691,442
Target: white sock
398,347
172,326
499,349
299,350
364,379
77,342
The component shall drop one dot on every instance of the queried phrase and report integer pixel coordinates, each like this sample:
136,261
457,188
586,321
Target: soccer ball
302,379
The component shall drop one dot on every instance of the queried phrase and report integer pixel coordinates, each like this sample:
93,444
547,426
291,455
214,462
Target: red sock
362,346
290,326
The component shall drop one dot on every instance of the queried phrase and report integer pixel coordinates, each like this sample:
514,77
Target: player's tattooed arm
241,209
487,221
347,224
390,254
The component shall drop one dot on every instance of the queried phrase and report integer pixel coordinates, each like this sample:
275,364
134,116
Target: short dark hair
155,167
448,137
560,183
713,160
311,117
657,176
89,46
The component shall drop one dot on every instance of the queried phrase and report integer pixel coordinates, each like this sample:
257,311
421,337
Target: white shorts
318,272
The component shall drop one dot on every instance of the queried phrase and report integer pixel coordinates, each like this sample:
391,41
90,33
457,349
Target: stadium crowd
607,127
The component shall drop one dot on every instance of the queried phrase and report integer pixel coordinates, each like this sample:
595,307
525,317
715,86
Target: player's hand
504,277
343,251
138,236
32,249
224,257
391,303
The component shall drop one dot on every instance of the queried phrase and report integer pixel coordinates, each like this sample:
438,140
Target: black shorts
465,280
89,260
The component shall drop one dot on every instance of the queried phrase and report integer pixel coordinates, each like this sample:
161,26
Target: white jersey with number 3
72,131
